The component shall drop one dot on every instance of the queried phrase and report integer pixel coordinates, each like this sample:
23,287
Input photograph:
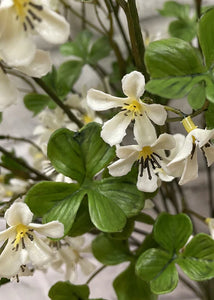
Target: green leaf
205,35
174,87
67,291
110,251
36,102
144,218
129,286
82,222
100,49
126,232
65,211
79,47
104,213
175,9
65,154
15,166
197,260
123,193
69,72
183,29
157,266
56,84
43,196
172,57
209,116
210,89
4,281
79,155
197,96
172,231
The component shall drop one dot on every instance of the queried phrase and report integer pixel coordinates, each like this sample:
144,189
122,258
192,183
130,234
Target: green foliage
158,265
197,260
67,291
84,50
209,116
184,27
37,102
197,96
81,156
129,286
110,251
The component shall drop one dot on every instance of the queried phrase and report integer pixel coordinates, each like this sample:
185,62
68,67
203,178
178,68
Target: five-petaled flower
23,245
132,108
186,159
18,20
150,155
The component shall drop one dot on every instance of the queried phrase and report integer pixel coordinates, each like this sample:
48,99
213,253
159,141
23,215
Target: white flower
151,157
132,108
186,159
70,254
23,245
19,19
38,67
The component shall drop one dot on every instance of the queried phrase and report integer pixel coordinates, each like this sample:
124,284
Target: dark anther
155,161
38,7
35,17
29,22
30,236
23,243
157,155
207,145
25,27
193,150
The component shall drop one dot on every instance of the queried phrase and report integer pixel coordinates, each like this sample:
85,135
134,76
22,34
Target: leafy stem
95,274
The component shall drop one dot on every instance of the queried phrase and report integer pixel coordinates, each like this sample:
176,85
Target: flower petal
18,213
190,171
9,93
114,130
165,141
122,166
39,252
209,153
145,184
98,100
7,233
53,28
11,260
156,113
16,48
203,135
39,66
125,151
144,131
185,151
133,84
53,229
87,267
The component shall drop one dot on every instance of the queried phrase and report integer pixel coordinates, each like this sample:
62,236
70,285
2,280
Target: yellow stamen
135,107
188,124
21,231
87,119
8,193
145,152
21,7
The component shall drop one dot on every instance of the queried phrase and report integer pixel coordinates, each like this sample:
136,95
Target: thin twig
95,274
55,98
24,164
9,137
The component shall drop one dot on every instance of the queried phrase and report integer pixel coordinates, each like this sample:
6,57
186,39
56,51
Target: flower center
134,107
87,119
188,124
21,231
147,158
27,12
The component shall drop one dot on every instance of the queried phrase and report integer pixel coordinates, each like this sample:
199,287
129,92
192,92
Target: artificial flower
19,20
70,254
132,108
39,66
186,159
23,245
151,157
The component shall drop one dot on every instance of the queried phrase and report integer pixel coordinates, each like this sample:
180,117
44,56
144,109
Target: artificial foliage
123,124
